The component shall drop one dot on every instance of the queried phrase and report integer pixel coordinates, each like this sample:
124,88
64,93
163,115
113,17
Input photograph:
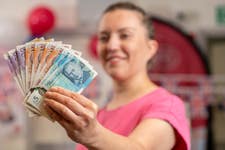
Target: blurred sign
220,15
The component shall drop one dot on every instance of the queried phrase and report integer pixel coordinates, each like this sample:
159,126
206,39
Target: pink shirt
158,104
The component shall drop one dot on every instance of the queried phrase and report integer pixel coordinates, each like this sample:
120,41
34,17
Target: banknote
74,67
35,54
46,62
35,98
48,49
20,51
74,75
29,52
48,56
42,63
40,46
29,60
38,50
35,103
31,108
36,111
75,52
12,70
14,61
31,114
58,62
71,73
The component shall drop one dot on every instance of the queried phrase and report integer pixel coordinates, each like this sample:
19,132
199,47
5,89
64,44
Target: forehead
120,18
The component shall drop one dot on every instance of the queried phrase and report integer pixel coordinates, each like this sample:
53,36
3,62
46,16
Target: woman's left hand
74,112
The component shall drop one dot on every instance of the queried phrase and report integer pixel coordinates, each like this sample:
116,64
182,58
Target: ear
153,47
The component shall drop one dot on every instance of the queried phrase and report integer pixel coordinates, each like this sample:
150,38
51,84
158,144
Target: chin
118,76
118,79
116,72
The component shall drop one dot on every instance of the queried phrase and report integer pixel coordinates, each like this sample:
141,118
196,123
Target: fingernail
46,101
48,93
44,104
54,88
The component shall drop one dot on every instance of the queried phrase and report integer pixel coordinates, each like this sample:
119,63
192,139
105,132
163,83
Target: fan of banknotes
40,64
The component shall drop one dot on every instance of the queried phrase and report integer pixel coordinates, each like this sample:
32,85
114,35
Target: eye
124,36
103,38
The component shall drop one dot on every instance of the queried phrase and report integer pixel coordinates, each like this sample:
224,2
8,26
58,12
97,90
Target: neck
132,88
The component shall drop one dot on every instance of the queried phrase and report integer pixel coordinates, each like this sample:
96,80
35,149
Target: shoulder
164,98
170,108
161,100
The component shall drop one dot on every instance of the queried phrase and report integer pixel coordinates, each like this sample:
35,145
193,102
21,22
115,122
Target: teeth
113,58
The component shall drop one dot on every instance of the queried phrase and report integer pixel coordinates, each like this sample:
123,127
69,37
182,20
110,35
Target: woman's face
123,46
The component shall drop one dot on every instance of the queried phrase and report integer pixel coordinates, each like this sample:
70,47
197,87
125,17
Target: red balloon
41,20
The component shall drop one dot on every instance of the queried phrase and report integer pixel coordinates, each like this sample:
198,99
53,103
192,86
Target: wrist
97,138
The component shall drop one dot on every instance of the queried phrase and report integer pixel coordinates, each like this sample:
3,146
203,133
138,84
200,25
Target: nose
113,43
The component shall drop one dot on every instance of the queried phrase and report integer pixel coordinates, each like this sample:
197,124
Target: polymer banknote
41,64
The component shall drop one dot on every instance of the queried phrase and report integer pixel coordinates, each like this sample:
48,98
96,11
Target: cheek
139,58
99,51
101,55
142,51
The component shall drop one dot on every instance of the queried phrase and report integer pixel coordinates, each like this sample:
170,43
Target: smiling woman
122,44
140,115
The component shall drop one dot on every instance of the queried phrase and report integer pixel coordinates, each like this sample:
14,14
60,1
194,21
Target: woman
140,115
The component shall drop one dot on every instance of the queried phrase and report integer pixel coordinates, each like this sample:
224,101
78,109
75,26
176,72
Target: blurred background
190,63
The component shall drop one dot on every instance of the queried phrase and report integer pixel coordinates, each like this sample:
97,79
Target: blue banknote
74,75
68,71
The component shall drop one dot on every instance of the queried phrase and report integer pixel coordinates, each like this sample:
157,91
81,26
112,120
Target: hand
74,112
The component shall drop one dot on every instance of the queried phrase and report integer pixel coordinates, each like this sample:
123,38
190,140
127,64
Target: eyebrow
127,28
120,30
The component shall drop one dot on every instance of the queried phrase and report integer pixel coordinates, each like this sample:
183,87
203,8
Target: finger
73,105
65,113
49,111
75,96
57,117
79,98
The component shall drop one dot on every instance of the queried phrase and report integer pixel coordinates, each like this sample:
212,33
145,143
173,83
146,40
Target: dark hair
130,6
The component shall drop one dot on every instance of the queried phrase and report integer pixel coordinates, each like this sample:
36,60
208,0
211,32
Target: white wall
81,15
200,14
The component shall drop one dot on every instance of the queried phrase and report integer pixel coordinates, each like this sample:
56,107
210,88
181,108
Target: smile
114,59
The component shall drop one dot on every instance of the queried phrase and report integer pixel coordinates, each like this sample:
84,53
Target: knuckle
95,107
82,123
74,96
92,115
56,95
70,134
67,102
77,125
63,111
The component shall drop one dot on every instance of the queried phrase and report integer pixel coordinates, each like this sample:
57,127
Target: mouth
115,58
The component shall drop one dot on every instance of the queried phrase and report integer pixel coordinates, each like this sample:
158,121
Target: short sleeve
171,109
80,147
